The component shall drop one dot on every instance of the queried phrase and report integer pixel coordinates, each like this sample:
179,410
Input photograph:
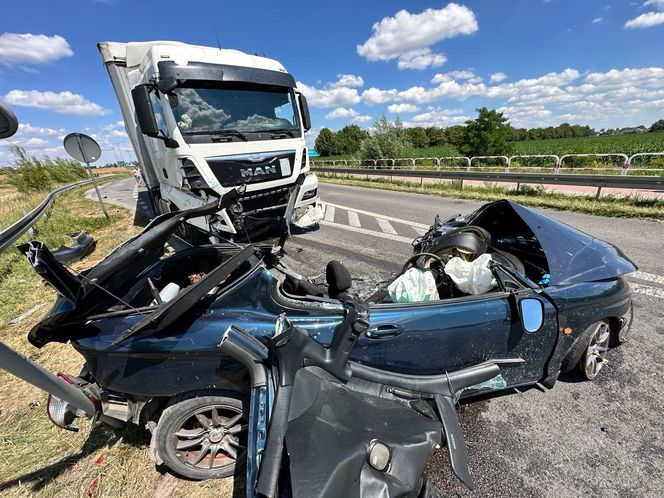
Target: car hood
572,255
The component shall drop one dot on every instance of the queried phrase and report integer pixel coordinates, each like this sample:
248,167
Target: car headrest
338,278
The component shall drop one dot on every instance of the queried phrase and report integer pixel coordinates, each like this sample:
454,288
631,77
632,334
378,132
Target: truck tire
203,435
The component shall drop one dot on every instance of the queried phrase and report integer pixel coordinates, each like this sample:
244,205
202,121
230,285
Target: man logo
257,171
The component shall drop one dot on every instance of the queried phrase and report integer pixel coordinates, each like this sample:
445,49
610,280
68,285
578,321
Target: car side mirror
8,122
147,121
531,312
304,109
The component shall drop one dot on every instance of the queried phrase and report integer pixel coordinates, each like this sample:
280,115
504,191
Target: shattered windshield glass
200,111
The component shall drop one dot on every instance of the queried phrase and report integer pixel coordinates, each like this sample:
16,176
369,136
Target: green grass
607,205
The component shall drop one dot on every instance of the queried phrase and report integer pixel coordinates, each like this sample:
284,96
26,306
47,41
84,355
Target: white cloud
647,20
399,108
405,32
374,96
456,75
438,117
420,58
361,119
26,48
348,80
28,129
658,4
341,112
62,103
597,20
450,89
330,97
497,77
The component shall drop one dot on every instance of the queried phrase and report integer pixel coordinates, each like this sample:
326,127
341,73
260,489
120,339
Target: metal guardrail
598,181
13,232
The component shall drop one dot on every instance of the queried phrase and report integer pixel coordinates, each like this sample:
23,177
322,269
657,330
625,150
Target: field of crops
626,144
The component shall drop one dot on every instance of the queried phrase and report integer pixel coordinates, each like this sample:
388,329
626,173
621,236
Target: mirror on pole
85,149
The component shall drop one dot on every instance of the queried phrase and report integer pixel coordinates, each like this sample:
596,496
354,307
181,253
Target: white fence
471,163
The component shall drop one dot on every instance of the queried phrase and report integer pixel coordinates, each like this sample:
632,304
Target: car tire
584,348
203,435
594,356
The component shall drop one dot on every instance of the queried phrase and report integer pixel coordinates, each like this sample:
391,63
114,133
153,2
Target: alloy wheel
595,354
211,438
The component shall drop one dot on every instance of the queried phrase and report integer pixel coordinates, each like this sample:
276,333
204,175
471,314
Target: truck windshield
200,110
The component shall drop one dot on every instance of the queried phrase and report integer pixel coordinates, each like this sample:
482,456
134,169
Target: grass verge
38,459
632,206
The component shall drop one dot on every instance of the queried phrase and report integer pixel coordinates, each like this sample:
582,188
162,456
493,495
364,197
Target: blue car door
446,335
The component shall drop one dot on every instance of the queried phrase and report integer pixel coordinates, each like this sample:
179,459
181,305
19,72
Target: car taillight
61,413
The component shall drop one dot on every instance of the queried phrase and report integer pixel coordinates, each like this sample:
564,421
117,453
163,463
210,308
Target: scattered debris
25,315
84,244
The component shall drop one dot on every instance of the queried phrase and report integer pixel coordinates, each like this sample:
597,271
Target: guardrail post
599,191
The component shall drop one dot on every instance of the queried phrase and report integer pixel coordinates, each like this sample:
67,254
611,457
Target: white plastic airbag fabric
414,286
471,278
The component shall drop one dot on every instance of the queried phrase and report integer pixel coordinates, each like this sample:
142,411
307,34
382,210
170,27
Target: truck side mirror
147,121
304,108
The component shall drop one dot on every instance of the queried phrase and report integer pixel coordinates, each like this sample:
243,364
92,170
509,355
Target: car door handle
385,331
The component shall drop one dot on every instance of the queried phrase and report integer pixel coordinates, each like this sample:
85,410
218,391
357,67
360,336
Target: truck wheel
204,437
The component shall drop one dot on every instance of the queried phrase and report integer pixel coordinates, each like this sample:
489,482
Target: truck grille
252,168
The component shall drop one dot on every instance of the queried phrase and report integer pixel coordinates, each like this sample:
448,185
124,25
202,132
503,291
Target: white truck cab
203,120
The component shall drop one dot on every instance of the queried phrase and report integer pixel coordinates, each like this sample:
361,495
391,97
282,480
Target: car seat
338,279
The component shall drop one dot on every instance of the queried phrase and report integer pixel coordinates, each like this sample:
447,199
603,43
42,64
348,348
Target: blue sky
542,62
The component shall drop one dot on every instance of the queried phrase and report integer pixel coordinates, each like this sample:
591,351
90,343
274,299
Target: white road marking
648,277
353,219
364,231
329,213
381,216
385,226
420,231
646,290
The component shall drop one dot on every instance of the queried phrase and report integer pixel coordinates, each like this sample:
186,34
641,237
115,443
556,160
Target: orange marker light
567,331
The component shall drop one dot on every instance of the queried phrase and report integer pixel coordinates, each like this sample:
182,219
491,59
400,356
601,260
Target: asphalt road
600,438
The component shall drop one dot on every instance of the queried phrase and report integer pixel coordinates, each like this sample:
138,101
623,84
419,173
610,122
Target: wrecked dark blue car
558,303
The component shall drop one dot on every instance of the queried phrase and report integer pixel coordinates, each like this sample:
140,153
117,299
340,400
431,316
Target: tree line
489,134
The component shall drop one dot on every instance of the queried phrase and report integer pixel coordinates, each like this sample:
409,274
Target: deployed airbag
471,278
414,286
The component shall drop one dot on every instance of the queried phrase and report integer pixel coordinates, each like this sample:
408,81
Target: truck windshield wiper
278,131
220,133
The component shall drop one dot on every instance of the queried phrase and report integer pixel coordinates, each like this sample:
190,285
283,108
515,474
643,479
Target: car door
446,335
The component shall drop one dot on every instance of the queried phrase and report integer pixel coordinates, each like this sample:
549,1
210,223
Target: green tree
349,139
326,142
386,140
454,134
657,125
418,137
436,135
487,135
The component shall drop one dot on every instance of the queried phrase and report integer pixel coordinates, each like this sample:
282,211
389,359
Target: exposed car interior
495,230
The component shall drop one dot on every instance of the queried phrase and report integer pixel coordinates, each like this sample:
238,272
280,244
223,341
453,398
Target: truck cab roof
135,54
